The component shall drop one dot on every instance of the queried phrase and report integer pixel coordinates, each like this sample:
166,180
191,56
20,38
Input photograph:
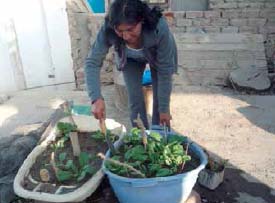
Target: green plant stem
102,156
107,136
140,124
186,152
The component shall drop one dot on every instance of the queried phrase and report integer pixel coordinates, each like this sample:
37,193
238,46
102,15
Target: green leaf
137,153
156,136
66,128
62,156
98,135
83,159
63,175
81,176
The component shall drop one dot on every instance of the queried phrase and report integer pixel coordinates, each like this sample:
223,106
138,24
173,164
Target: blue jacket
159,48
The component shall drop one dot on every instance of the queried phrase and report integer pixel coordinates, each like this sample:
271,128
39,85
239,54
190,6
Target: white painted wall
6,76
43,40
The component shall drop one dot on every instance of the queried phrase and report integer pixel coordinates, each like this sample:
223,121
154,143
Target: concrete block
212,29
230,29
270,22
179,14
212,14
205,55
201,22
267,30
222,5
194,14
250,5
250,13
249,29
269,5
231,13
195,29
267,13
219,38
257,21
238,22
220,22
183,22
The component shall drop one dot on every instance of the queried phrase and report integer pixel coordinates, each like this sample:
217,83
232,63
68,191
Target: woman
140,35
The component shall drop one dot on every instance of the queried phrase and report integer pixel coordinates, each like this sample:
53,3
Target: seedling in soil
67,169
158,159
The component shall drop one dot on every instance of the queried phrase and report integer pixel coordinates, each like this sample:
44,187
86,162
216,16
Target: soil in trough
87,144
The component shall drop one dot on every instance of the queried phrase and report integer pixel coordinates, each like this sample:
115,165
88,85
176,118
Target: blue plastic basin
171,189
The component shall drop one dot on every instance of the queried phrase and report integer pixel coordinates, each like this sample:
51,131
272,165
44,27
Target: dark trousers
132,74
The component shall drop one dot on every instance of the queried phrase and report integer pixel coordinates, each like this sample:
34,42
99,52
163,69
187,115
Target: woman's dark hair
133,11
129,12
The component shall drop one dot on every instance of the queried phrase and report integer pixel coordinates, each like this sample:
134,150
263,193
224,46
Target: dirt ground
230,125
233,126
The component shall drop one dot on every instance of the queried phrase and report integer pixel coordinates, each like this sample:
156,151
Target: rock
44,175
250,79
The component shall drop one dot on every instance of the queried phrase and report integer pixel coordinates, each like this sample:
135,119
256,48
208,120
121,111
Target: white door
6,77
43,40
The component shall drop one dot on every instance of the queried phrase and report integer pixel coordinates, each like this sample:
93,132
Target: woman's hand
98,109
164,119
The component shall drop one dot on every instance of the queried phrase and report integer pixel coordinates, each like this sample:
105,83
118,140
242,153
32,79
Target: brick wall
231,16
243,17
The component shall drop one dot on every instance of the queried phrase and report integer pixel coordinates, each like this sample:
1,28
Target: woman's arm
93,64
166,62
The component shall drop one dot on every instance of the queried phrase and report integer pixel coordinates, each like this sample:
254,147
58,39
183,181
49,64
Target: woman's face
130,33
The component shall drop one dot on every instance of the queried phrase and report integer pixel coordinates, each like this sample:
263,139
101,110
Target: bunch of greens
64,130
99,136
159,158
68,169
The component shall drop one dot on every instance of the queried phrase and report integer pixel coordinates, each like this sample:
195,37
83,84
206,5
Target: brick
249,29
195,30
263,30
201,22
221,38
224,5
250,13
220,22
212,14
230,29
183,22
179,14
270,22
238,22
257,21
206,55
221,47
269,5
194,14
267,13
271,29
232,13
250,5
212,29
